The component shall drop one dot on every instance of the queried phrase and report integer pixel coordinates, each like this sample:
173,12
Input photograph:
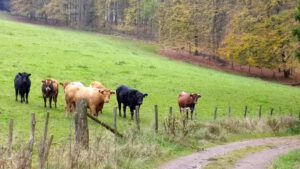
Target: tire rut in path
201,159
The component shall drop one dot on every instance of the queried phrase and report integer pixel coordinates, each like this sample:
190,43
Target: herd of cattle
96,95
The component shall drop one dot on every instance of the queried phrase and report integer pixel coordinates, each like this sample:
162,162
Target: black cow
22,86
129,97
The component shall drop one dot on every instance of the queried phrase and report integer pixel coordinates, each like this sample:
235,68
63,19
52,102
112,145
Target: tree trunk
286,73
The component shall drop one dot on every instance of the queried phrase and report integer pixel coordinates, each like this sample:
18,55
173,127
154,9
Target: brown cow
186,100
50,90
95,98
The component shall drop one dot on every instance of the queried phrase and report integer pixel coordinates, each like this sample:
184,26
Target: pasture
68,55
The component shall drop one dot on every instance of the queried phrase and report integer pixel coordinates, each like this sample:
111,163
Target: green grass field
80,56
68,55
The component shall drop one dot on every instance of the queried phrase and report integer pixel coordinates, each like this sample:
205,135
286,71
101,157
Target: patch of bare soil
212,62
257,160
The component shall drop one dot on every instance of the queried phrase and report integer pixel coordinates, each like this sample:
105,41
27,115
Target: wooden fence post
229,112
246,110
215,114
44,149
137,117
259,113
271,111
81,124
156,118
31,139
10,136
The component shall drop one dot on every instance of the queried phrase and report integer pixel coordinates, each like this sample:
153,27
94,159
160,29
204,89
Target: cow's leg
192,113
16,90
124,110
119,107
187,113
45,102
131,112
93,111
22,97
50,101
26,94
55,100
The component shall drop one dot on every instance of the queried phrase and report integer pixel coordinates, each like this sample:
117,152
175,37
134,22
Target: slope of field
80,56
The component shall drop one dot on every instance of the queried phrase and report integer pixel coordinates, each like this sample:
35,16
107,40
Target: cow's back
121,93
184,99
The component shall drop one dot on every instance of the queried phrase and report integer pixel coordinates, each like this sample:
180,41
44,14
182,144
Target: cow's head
25,77
106,94
47,85
195,97
137,96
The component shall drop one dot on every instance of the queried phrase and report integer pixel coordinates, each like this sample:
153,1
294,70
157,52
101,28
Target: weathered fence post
156,118
44,149
229,112
137,117
10,136
259,113
81,124
271,111
31,139
215,114
246,110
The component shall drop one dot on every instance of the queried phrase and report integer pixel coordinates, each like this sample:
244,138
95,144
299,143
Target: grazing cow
129,97
50,90
22,86
186,100
94,96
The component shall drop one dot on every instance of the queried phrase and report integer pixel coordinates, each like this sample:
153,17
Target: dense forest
257,33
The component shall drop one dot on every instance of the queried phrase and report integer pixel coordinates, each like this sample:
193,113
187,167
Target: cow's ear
20,74
191,94
112,92
101,91
145,95
29,75
43,81
199,95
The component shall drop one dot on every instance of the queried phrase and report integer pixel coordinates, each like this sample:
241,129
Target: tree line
257,33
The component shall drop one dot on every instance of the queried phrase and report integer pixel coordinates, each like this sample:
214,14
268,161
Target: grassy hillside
80,56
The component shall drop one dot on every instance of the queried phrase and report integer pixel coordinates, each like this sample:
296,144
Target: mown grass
290,161
68,55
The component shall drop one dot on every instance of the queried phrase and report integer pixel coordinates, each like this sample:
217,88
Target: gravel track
257,160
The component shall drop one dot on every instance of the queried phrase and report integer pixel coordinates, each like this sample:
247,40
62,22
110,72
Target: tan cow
70,89
95,98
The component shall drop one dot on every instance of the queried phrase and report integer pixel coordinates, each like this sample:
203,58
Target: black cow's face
25,77
138,97
195,97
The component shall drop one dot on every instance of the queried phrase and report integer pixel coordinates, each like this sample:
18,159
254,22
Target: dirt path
259,160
